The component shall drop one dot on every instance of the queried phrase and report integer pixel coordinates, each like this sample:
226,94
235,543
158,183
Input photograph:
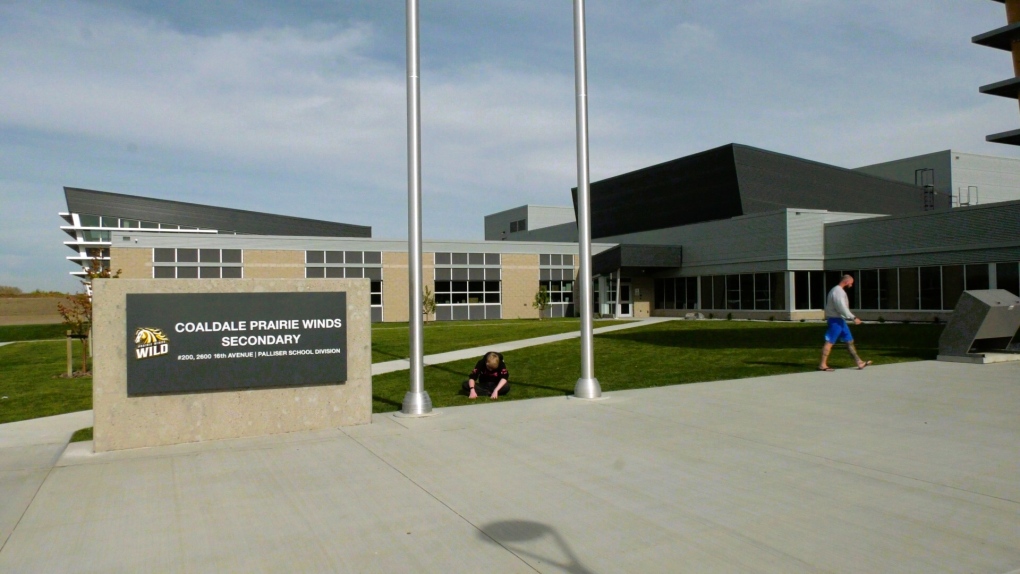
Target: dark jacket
488,379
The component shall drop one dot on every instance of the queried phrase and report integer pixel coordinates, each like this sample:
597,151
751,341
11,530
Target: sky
299,107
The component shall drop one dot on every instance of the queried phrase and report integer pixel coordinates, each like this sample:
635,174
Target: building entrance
605,290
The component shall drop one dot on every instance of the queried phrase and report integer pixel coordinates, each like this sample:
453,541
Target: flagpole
416,401
587,387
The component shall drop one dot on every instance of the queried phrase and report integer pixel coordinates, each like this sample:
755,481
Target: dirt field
29,310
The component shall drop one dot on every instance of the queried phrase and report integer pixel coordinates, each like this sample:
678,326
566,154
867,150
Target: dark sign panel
195,342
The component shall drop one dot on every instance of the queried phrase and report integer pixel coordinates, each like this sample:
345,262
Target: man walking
837,313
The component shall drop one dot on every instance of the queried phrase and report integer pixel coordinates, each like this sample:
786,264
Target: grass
28,380
82,435
32,332
670,353
389,340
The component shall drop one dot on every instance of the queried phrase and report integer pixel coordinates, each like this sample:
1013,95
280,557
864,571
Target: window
88,220
977,277
867,286
670,292
677,293
519,225
732,292
777,285
888,291
762,292
719,292
1007,276
931,287
909,289
802,290
95,236
349,265
952,285
170,263
746,291
468,286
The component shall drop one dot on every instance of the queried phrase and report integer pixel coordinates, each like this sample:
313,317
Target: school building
733,231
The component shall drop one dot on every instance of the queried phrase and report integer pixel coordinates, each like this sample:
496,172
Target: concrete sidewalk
28,450
475,352
902,468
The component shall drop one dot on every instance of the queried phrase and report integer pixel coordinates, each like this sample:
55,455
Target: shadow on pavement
511,534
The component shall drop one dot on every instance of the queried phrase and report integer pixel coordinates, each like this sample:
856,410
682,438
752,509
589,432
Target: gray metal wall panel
735,180
651,255
561,233
543,216
954,257
606,262
204,216
902,170
806,236
691,189
770,180
996,178
978,234
741,244
497,225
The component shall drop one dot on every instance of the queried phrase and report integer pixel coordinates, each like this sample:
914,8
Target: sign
197,342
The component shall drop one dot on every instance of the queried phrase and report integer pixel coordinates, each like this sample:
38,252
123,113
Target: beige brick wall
394,290
642,303
577,286
274,264
520,283
395,284
134,263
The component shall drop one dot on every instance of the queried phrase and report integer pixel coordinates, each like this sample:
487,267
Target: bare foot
472,394
826,368
862,364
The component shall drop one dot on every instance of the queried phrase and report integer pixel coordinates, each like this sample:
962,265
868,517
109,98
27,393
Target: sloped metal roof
94,202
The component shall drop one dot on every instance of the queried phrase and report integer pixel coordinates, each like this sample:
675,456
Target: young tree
541,301
428,304
77,312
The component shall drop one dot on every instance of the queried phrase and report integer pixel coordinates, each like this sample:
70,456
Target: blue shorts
837,329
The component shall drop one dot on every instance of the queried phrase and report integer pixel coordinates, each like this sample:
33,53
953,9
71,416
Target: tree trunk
84,356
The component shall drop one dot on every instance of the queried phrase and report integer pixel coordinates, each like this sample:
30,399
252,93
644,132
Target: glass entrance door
626,304
607,284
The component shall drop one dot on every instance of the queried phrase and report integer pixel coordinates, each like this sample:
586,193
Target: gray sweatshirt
837,304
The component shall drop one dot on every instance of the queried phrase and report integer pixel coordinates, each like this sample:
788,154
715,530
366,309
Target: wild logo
150,342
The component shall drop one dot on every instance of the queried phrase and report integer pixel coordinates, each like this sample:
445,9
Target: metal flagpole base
587,389
417,404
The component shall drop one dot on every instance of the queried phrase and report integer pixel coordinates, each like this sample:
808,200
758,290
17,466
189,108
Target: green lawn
663,354
31,332
28,380
667,354
389,340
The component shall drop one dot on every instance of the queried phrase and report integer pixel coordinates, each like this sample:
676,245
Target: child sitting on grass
489,376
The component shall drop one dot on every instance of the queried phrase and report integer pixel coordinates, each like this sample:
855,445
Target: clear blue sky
297,107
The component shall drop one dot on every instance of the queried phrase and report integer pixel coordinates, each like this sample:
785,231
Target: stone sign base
981,358
123,422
